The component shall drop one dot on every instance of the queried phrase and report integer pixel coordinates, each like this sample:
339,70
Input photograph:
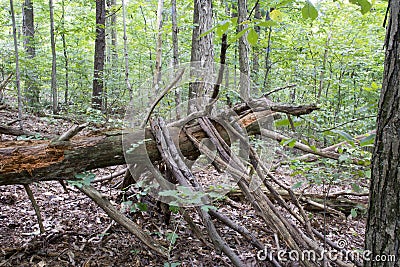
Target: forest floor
79,233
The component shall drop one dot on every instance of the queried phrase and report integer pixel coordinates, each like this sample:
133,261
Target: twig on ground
36,207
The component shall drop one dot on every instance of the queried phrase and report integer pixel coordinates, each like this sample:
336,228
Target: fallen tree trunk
24,162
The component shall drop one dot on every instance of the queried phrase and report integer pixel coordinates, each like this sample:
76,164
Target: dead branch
279,89
110,176
35,207
311,157
72,132
184,176
4,83
161,96
120,218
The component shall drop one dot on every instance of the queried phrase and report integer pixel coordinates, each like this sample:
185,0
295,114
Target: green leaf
268,23
142,206
343,158
174,209
364,4
206,208
240,34
309,11
252,37
276,15
220,30
280,123
374,86
313,148
172,237
368,141
297,185
353,213
289,142
345,135
356,188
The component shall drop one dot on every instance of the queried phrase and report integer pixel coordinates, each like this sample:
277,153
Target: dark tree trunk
99,55
31,89
383,225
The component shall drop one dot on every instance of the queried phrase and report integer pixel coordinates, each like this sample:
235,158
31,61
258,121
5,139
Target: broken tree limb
311,156
18,132
35,207
24,162
120,218
325,154
184,176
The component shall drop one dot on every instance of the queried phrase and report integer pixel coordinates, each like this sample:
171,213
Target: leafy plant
84,178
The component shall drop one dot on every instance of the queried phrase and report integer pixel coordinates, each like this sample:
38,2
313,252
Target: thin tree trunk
382,236
99,53
175,54
157,71
113,25
267,54
17,72
126,51
54,61
31,89
244,83
256,63
65,54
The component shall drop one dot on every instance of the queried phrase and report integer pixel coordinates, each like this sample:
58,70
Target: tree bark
244,82
202,54
54,92
157,71
28,29
99,54
17,72
383,225
175,54
65,52
126,58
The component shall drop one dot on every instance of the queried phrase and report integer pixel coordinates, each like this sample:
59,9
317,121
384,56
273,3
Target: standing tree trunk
202,49
244,82
157,71
66,62
31,89
17,72
126,52
383,225
256,49
99,54
54,60
113,26
175,53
